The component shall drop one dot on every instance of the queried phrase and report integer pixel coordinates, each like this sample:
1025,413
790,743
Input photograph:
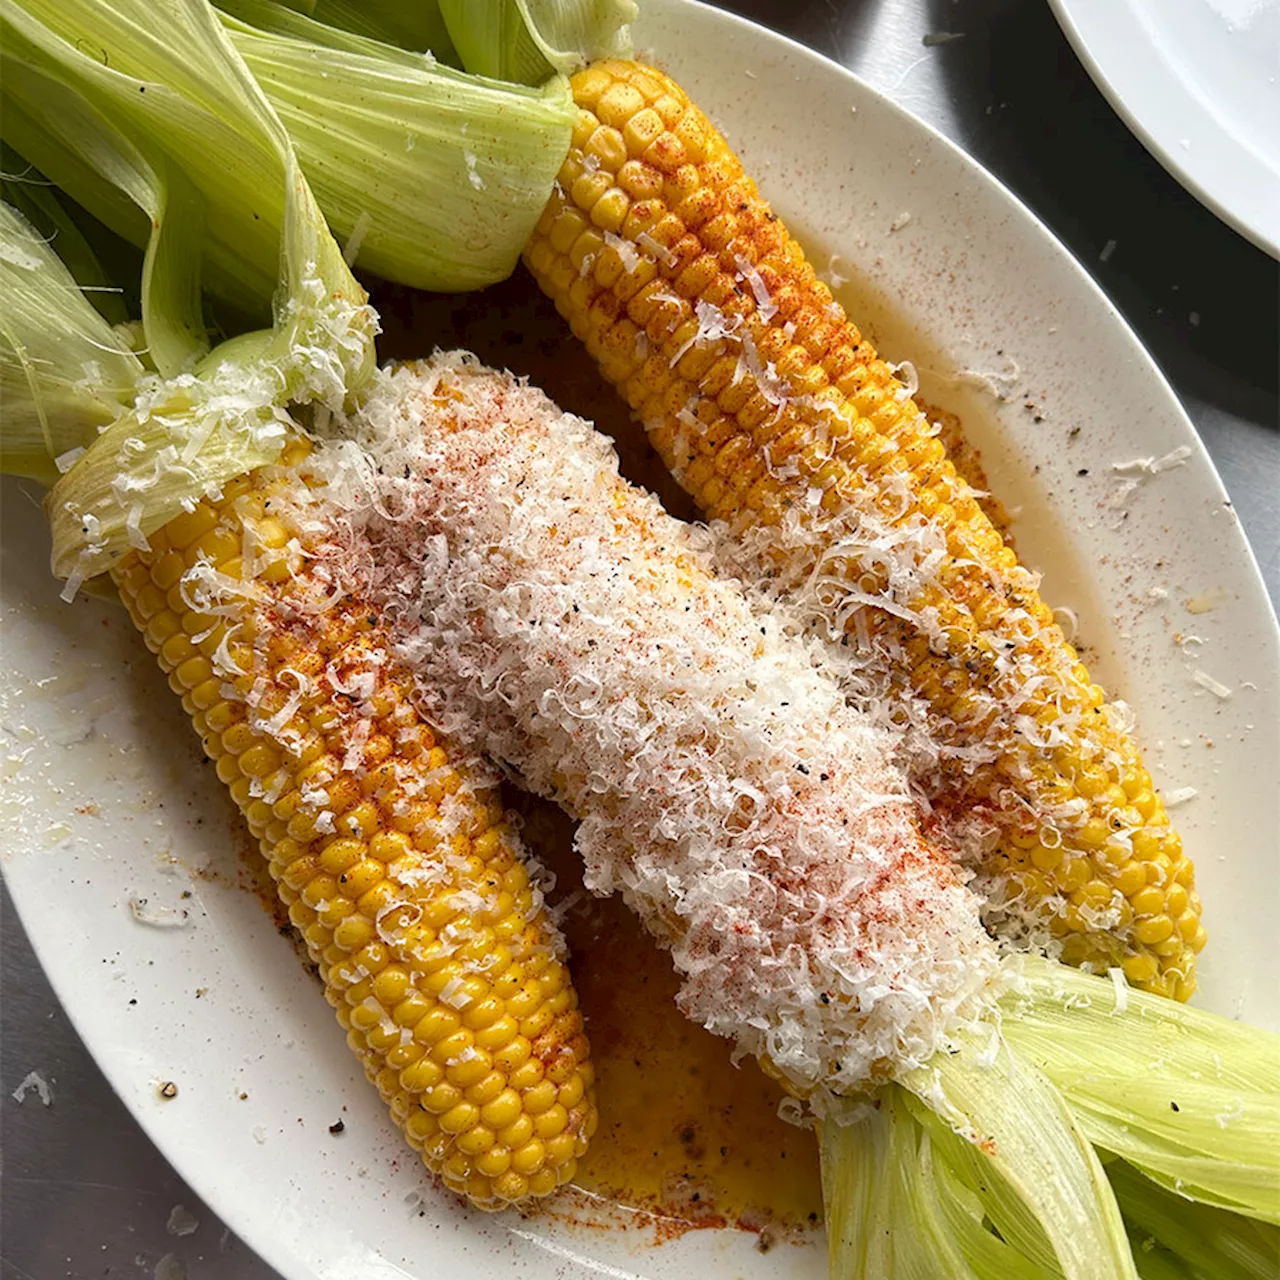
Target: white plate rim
1138,83
186,1163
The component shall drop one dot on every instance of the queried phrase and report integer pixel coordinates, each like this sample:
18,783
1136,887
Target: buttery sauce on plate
684,1134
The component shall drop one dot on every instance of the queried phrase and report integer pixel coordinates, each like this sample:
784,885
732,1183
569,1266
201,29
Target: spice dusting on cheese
559,620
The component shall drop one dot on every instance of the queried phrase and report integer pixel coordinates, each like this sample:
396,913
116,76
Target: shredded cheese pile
559,620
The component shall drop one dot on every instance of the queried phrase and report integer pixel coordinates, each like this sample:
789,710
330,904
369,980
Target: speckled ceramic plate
105,797
1197,81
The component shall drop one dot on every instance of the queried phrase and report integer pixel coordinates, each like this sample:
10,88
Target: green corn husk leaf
1168,1235
1002,1206
894,1212
418,26
1191,1099
38,202
1153,1261
159,81
435,178
1202,1242
909,1199
101,109
1020,1124
1108,1062
55,110
525,41
65,373
172,209
150,99
279,18
963,1212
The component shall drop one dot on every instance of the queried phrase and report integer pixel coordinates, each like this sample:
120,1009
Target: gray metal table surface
84,1193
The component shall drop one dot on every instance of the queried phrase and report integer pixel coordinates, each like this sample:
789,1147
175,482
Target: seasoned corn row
779,419
403,879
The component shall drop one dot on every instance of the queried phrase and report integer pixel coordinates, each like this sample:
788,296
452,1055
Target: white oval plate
1198,81
105,796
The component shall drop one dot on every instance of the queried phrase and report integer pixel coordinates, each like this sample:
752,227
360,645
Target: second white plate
1199,82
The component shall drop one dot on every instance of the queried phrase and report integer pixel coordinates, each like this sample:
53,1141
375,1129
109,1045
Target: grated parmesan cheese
659,251
713,326
351,250
625,250
1121,985
157,916
1153,466
721,782
454,994
1215,687
765,305
33,1080
64,462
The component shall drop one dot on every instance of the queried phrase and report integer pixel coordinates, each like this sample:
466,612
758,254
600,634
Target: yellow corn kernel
517,1133
503,1110
529,1158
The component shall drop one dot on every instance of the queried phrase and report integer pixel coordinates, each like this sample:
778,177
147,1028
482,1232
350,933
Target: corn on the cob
401,875
558,619
779,419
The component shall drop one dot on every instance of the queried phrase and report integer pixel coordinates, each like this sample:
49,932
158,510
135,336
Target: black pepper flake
337,1127
1084,471
1173,1106
168,1089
